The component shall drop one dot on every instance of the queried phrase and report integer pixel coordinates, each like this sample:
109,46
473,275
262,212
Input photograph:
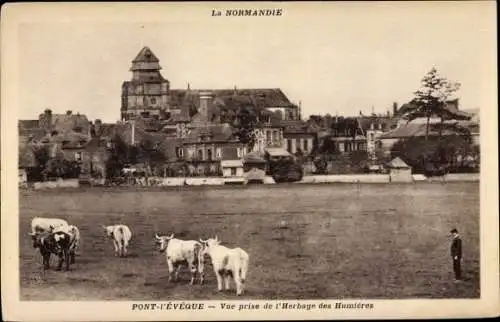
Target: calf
121,236
58,243
227,262
40,225
74,234
182,251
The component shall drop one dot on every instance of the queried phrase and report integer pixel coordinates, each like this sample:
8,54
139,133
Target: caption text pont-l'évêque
228,306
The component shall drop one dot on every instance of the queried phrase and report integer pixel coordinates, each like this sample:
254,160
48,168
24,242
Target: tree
244,123
42,158
431,99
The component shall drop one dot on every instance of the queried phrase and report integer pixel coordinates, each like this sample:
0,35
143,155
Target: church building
147,93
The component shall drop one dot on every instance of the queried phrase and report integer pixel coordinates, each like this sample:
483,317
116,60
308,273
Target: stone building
147,93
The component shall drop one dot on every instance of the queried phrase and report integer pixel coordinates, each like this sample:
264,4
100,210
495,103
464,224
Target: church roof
145,60
146,55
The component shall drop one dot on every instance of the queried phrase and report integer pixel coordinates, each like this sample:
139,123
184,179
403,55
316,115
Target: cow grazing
41,225
57,243
227,262
74,234
121,236
178,252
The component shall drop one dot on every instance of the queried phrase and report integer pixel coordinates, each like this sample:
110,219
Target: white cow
179,251
121,235
74,234
41,225
227,262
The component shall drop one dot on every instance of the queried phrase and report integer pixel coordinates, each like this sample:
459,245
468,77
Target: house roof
231,163
297,127
450,127
27,127
450,108
215,133
253,157
26,157
397,162
69,122
277,152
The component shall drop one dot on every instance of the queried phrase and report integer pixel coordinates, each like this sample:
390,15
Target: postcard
249,160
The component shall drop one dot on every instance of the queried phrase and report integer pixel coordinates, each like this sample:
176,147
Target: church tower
146,94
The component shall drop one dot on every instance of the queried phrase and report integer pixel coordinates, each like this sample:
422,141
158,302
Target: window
218,153
209,154
178,152
306,148
268,136
233,171
289,145
153,100
200,154
78,156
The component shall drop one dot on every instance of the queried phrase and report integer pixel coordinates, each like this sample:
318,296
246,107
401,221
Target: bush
437,156
286,170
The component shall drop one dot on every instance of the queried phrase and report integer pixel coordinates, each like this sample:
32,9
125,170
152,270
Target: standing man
456,254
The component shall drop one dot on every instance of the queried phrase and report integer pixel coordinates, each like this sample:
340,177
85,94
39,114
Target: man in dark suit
456,254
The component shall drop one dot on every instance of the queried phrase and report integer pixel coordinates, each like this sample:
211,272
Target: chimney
45,120
97,127
394,108
205,105
69,112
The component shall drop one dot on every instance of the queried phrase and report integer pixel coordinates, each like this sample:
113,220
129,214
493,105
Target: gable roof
26,127
69,122
277,152
254,157
397,162
215,133
260,97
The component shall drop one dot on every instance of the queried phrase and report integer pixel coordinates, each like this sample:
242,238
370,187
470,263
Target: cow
178,252
40,225
57,243
227,262
121,236
74,234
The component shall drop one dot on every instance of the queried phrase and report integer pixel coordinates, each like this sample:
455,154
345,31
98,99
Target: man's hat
453,231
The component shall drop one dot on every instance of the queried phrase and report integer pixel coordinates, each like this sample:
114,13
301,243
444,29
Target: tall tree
244,123
431,99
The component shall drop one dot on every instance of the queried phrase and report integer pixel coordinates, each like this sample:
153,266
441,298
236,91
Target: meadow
338,241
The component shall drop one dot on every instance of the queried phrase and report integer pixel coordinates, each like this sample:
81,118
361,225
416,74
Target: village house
454,121
299,137
205,147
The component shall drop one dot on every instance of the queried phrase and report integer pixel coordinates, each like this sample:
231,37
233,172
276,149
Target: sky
336,58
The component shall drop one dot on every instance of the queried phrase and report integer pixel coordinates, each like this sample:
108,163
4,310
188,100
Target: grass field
340,241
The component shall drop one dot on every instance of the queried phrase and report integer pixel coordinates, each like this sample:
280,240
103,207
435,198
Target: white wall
226,172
